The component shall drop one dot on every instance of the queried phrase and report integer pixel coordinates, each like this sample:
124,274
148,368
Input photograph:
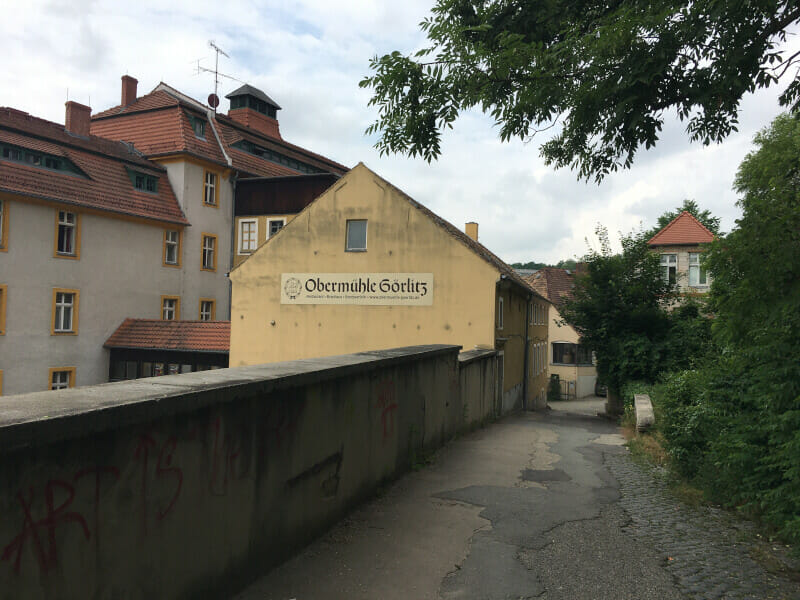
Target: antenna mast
218,51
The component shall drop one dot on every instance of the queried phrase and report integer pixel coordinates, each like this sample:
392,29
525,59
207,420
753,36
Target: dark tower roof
249,90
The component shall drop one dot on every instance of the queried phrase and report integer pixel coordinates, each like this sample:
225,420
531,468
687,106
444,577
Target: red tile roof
553,283
683,230
158,124
107,185
187,336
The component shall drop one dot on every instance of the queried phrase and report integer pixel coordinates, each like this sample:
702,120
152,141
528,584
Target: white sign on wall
376,289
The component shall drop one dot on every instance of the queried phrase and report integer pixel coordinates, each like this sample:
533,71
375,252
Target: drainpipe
527,344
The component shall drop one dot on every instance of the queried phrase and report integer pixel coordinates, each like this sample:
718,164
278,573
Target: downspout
526,366
229,162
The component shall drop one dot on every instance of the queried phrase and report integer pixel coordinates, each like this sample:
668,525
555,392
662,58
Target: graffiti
98,473
44,547
225,453
386,403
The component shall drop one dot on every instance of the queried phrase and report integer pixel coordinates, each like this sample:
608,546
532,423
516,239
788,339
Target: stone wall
190,486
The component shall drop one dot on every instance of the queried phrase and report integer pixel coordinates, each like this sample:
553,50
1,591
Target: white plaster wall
187,181
119,274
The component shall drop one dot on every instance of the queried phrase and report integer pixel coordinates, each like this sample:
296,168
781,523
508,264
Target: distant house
365,267
568,358
681,244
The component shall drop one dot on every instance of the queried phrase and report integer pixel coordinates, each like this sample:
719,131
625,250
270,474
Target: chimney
128,90
255,120
77,118
253,108
471,229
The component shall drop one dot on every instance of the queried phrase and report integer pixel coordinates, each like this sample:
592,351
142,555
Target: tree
605,74
710,222
619,311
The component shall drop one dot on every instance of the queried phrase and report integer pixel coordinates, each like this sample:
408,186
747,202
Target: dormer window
198,126
144,182
38,159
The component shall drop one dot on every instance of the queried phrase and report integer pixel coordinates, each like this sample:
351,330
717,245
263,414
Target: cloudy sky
309,56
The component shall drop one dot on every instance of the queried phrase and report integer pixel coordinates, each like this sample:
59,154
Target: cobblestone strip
708,551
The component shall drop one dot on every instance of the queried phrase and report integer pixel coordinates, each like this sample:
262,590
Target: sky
309,56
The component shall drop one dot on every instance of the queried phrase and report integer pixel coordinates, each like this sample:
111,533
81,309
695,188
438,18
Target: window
39,159
62,378
209,259
565,353
67,234
669,267
275,225
198,126
210,189
531,310
697,274
143,182
500,313
65,312
356,236
170,308
275,157
3,225
172,248
208,309
248,236
3,296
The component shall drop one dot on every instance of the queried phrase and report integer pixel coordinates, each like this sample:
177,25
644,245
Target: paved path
540,505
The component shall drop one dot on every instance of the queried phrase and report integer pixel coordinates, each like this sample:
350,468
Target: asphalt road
539,505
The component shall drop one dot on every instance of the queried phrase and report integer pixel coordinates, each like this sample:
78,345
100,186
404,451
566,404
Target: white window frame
667,262
253,245
499,312
696,271
347,246
205,315
210,189
169,306
171,245
64,319
270,233
56,382
71,227
209,248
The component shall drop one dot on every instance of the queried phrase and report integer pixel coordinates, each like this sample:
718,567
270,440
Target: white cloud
309,55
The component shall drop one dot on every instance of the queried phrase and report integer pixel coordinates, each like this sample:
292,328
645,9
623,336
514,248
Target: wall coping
41,418
464,358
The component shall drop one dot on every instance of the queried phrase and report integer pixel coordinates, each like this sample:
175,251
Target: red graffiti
45,550
163,469
386,402
225,452
280,422
98,473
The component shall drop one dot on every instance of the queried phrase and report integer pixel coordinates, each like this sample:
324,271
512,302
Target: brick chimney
471,229
261,123
77,118
128,90
253,108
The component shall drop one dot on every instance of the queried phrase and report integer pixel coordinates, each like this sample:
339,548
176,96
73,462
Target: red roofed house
569,359
680,244
130,214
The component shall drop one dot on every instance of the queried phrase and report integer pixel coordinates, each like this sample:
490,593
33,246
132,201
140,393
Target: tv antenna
213,99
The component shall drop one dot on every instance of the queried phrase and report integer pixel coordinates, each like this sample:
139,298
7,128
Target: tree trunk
614,404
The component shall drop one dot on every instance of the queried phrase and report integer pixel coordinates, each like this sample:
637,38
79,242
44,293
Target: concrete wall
189,486
119,274
479,398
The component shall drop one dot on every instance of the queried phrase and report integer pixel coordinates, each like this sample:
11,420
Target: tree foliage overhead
605,73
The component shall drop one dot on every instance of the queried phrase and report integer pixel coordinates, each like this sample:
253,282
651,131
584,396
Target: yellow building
365,267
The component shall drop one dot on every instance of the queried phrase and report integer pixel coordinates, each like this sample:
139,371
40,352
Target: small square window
199,127
248,236
356,236
62,378
208,309
275,225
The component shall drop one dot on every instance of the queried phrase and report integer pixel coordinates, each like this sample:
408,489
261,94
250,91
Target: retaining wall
190,486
